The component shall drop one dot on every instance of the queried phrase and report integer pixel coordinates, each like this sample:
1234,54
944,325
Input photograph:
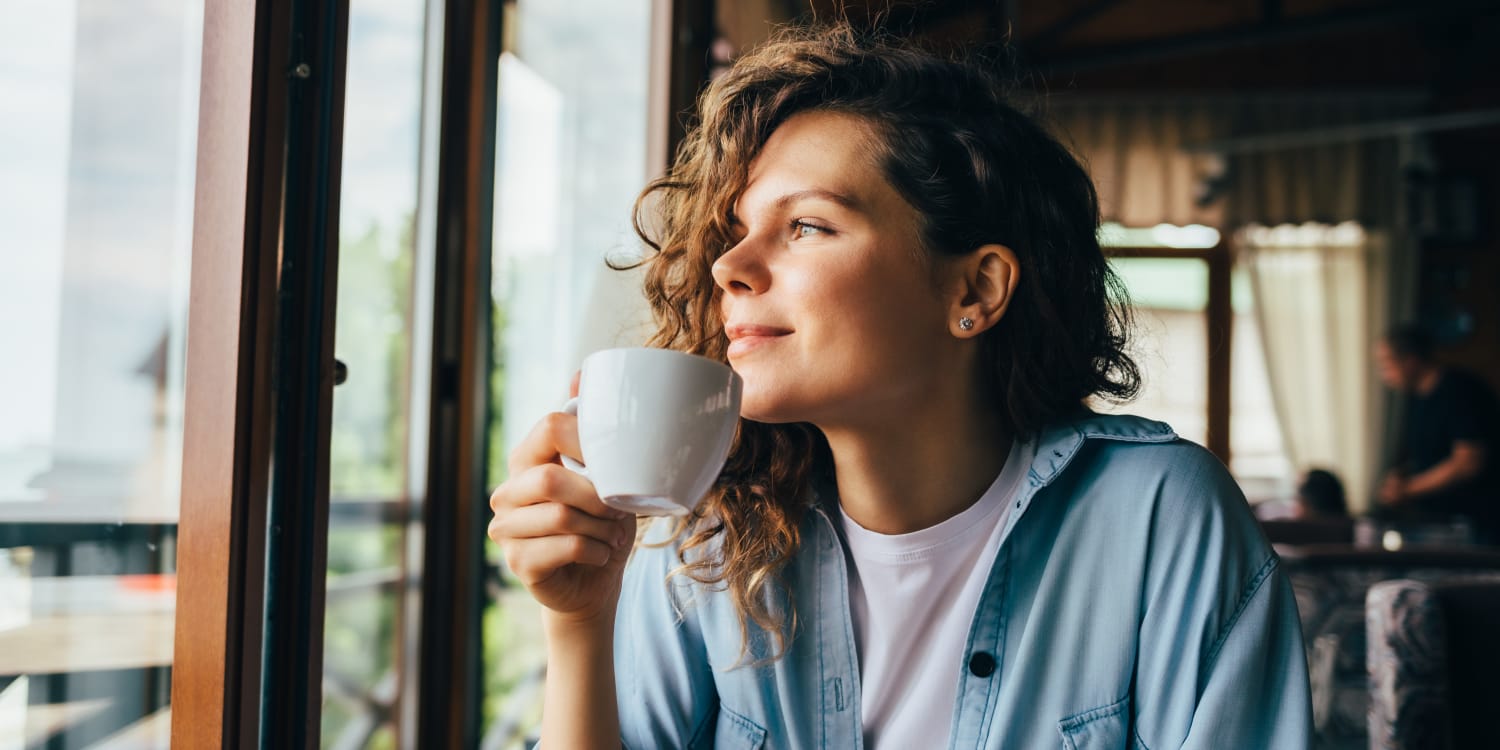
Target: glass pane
98,126
374,481
1170,341
570,159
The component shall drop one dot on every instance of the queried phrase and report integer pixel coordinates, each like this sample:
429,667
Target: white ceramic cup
655,426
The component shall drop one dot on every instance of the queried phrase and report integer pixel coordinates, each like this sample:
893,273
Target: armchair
1434,664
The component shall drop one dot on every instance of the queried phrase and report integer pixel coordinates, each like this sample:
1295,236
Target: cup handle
572,408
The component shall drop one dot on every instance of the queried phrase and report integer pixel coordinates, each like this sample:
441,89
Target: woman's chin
769,411
767,417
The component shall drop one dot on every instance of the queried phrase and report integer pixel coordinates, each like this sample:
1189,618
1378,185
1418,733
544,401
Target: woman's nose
740,269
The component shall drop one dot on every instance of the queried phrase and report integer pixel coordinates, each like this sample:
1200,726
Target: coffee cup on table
655,426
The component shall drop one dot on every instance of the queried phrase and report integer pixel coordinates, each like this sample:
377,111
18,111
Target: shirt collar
1059,443
1055,448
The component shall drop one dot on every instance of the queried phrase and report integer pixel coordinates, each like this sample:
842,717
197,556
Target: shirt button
981,664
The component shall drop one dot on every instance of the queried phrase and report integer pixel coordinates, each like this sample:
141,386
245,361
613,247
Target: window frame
1219,320
226,423
245,229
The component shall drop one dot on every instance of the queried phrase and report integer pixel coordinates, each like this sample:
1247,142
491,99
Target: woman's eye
801,229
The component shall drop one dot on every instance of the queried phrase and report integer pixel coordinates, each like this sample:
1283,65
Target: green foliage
372,337
497,449
513,650
359,631
368,458
368,462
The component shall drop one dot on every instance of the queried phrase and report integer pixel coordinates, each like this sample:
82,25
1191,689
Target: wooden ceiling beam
1336,22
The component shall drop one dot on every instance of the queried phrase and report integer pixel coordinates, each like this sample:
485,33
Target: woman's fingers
555,519
551,483
556,433
533,561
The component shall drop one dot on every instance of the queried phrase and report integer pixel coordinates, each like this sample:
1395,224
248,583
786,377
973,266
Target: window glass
571,142
1170,341
382,322
98,127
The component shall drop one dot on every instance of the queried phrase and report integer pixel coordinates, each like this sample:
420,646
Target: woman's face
832,315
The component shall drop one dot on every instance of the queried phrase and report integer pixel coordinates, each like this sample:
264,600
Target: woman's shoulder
1138,465
1121,444
1136,490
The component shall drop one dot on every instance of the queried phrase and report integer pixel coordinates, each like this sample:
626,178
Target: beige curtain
1323,295
1147,158
1134,149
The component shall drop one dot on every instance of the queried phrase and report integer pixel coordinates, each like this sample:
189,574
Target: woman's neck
910,470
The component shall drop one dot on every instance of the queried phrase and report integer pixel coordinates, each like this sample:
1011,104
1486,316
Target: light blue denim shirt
1133,603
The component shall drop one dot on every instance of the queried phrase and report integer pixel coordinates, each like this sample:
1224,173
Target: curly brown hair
976,169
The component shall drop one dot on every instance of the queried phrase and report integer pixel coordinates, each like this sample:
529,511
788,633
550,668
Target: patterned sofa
1434,660
1330,583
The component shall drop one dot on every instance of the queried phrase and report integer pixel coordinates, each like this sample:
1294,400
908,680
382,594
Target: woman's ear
986,282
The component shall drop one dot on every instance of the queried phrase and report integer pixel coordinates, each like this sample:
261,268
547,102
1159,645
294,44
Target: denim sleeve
663,680
1220,661
1254,693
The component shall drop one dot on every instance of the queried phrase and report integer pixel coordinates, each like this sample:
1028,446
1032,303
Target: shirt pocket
1103,728
735,732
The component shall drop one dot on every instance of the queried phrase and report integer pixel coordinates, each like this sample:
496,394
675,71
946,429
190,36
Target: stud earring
966,323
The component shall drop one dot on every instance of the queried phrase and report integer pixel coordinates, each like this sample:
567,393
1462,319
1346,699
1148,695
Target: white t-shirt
913,597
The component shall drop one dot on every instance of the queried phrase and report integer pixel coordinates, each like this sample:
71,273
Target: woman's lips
744,339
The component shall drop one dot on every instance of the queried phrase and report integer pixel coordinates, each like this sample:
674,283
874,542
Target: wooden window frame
264,229
226,424
455,514
1219,320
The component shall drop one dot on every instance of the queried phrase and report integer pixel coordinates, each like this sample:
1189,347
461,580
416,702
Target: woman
922,537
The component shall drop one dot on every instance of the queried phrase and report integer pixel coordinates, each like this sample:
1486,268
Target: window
1169,297
377,453
571,155
1169,273
98,142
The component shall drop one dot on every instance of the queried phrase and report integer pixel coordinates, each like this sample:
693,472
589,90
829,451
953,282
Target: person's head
894,225
929,198
1321,495
1403,355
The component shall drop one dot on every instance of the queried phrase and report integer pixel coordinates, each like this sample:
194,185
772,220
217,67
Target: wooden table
94,646
95,651
89,623
87,643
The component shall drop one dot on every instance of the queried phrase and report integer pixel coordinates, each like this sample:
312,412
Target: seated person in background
1446,462
1320,495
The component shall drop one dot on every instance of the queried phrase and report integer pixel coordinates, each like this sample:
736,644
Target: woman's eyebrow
843,199
783,202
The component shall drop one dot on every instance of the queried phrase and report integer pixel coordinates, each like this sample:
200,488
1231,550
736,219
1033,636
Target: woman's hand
569,549
560,540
